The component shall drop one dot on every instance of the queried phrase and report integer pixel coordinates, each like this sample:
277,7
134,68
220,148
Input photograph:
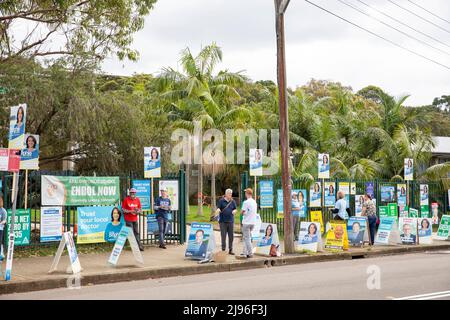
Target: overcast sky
318,45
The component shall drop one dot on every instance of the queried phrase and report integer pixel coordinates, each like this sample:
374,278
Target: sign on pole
17,126
29,155
152,162
22,226
324,166
256,162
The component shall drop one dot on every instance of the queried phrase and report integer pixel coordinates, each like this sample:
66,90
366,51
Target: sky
318,45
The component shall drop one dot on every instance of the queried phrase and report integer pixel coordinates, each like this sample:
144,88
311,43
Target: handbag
216,217
273,250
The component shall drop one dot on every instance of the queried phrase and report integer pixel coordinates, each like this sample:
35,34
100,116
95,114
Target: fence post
183,207
244,184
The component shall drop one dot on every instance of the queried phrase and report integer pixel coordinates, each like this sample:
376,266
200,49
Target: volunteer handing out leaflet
131,208
162,207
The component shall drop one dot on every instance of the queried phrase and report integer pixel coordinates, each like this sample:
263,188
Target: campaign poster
315,195
424,211
444,228
309,236
172,191
345,186
413,213
393,210
143,188
79,191
387,193
352,188
336,236
51,224
435,213
424,201
408,230
198,240
9,160
384,230
29,155
152,162
425,229
298,200
255,161
17,120
401,195
370,189
330,194
268,236
409,169
72,250
152,224
356,228
316,216
266,194
324,166
22,226
359,201
255,232
98,224
383,211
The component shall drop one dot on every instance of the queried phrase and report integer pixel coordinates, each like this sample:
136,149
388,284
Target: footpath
31,274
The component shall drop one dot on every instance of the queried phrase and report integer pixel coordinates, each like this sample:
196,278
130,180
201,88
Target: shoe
231,253
243,255
141,248
162,246
249,256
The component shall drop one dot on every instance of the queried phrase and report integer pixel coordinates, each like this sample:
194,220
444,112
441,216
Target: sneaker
243,255
249,256
231,253
162,246
141,248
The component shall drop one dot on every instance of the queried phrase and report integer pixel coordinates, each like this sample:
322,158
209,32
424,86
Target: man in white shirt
249,209
340,212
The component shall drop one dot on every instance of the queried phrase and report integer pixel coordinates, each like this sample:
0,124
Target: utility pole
280,9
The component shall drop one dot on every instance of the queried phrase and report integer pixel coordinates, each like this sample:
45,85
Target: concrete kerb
155,273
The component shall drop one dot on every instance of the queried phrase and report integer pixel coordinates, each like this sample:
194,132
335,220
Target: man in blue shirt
226,208
162,206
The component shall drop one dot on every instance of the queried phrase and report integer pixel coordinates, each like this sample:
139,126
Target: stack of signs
309,238
298,201
408,230
337,238
315,195
444,227
413,213
357,230
124,234
424,231
67,241
316,216
359,201
387,231
330,194
200,242
268,242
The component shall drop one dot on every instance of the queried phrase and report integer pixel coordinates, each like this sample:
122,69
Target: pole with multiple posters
11,236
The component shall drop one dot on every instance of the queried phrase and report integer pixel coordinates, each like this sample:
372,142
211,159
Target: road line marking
424,295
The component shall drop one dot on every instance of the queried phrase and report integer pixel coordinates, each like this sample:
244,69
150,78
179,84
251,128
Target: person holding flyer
2,226
249,209
162,207
131,208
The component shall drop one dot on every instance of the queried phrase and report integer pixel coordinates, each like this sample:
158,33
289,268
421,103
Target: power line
429,11
403,24
378,36
419,16
389,26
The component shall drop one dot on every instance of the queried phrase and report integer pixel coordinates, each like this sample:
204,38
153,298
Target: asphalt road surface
423,276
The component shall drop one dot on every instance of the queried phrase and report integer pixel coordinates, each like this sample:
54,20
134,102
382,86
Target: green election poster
22,226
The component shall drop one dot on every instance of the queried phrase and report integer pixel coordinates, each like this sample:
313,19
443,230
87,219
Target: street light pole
280,9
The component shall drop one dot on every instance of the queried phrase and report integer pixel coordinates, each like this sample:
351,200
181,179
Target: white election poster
309,238
172,190
51,224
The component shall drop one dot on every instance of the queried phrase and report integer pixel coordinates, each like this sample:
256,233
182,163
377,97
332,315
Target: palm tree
197,94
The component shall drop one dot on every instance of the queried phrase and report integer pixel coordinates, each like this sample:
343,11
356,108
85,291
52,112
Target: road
410,276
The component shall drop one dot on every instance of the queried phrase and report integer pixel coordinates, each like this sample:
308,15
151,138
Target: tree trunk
200,190
188,179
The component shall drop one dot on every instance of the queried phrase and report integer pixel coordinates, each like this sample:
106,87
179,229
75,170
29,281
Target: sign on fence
96,223
22,226
143,189
51,224
266,194
79,191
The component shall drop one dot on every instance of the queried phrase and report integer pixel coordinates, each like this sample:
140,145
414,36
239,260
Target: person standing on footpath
249,209
369,210
340,208
162,207
226,209
3,215
131,208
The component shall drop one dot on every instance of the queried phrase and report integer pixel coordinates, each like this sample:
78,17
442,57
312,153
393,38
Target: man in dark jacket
226,209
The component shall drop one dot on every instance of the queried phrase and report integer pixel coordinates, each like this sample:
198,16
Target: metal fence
436,194
32,201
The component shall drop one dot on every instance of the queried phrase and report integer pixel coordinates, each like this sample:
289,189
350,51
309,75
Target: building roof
442,145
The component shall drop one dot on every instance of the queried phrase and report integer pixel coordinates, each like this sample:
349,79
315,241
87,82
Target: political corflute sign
79,191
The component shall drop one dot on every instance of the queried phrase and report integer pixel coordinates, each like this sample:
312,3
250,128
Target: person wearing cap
249,209
162,206
131,208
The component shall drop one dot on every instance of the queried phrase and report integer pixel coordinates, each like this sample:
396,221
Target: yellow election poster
316,216
337,237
